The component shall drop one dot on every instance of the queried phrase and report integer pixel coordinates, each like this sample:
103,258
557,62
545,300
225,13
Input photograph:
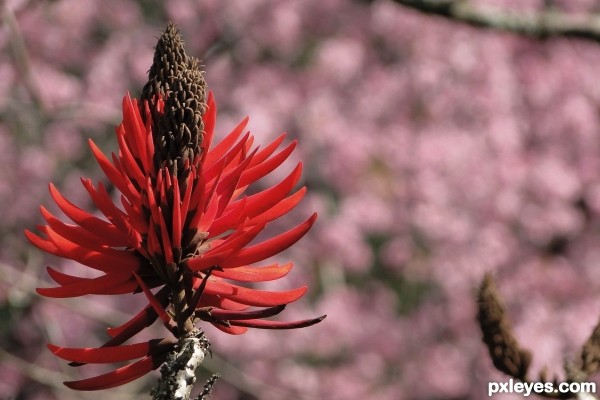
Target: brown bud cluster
590,353
176,79
503,347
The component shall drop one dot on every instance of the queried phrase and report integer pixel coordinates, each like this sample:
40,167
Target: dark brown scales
178,80
503,347
590,353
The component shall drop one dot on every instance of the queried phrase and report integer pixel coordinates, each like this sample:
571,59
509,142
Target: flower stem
178,373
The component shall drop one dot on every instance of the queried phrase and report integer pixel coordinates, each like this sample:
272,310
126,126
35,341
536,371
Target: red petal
209,119
42,243
262,201
281,208
120,376
267,151
176,217
228,220
239,315
209,300
136,131
109,169
128,286
201,263
105,259
102,355
220,149
105,284
77,234
117,217
154,302
269,247
253,297
224,164
82,218
185,204
263,324
207,218
228,186
232,330
237,240
128,161
166,240
138,222
255,173
142,319
255,274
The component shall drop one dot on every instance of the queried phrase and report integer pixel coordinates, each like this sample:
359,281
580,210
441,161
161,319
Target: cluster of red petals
155,214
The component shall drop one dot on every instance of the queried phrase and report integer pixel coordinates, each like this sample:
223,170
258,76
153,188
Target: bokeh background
433,153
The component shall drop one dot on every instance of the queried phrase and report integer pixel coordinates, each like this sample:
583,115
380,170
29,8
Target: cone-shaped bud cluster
177,80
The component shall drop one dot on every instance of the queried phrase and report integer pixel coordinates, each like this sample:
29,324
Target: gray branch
178,373
544,24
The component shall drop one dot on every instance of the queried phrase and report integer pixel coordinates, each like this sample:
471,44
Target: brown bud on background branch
503,347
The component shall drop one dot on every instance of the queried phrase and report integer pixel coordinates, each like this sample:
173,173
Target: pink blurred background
433,153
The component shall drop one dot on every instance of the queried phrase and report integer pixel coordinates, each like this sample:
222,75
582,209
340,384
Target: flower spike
182,231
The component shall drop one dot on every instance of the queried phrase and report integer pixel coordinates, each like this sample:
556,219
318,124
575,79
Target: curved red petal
176,216
120,376
239,315
270,247
255,274
209,118
136,131
264,324
209,300
253,297
113,174
266,151
117,217
104,355
237,240
154,302
256,172
262,201
228,219
279,209
76,233
142,319
223,165
128,161
221,148
207,261
206,219
42,243
105,284
105,259
86,220
232,330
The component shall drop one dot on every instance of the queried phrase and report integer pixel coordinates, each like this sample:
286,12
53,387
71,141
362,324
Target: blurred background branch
543,24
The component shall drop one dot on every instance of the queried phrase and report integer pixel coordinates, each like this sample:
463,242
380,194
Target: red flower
186,230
